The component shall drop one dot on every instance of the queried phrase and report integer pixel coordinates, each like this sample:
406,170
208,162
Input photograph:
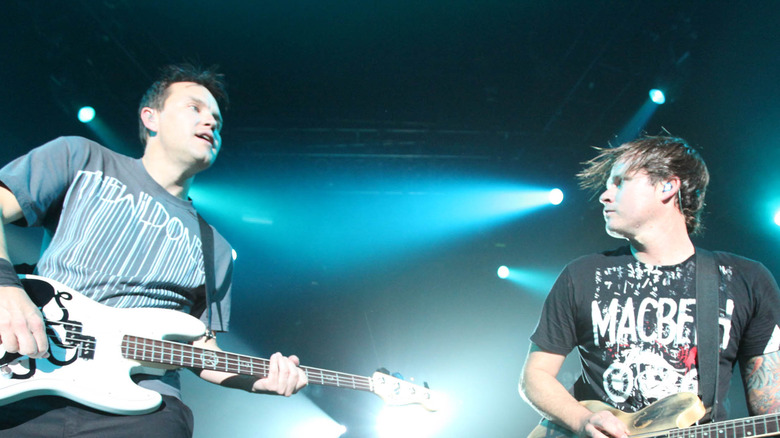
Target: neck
664,249
173,180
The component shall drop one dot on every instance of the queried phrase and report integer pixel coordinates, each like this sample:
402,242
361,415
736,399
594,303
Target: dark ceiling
349,120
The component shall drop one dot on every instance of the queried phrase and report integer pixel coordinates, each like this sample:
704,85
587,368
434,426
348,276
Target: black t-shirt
634,324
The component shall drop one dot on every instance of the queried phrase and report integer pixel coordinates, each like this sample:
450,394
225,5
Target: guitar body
94,349
673,412
86,363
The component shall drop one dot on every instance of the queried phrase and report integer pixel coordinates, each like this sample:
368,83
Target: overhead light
657,96
86,114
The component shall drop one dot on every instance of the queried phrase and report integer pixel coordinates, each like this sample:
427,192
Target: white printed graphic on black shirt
648,339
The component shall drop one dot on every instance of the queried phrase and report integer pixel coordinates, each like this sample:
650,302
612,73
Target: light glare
777,218
86,114
503,272
556,196
409,422
657,96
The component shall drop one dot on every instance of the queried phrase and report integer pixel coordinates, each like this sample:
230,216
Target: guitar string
233,362
728,426
184,353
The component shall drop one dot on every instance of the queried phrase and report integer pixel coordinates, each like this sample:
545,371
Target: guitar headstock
397,392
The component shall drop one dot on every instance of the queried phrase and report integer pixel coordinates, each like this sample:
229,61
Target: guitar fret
168,352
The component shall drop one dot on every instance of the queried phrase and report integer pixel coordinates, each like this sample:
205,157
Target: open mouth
206,137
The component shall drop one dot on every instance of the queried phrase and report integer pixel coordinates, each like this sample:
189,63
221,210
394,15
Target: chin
615,233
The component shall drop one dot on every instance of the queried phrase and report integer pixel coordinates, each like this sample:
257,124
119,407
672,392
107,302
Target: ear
669,188
150,118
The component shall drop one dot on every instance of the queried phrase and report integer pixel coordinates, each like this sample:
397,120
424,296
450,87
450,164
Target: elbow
522,386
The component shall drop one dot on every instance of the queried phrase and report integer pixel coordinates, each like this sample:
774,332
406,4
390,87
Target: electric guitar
93,350
671,417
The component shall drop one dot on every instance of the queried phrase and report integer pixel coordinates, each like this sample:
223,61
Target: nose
209,120
606,196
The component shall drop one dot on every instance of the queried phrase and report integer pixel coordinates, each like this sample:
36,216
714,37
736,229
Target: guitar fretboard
184,355
750,427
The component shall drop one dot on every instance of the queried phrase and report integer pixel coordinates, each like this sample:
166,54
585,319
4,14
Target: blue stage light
503,272
86,114
657,96
556,196
777,218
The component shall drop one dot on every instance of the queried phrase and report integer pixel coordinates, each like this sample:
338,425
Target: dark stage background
372,154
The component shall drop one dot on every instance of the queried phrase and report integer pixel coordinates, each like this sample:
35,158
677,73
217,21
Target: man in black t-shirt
630,312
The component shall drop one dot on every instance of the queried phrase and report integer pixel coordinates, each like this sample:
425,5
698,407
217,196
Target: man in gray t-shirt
125,234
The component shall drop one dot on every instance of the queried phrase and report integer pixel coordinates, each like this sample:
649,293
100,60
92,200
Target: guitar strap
707,327
207,246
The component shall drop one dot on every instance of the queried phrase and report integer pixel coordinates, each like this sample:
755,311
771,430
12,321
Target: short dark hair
662,157
157,93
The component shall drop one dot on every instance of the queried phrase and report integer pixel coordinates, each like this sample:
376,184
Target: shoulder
81,145
734,259
734,264
744,275
77,151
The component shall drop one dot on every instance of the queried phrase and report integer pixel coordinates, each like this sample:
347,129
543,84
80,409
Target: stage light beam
777,218
503,272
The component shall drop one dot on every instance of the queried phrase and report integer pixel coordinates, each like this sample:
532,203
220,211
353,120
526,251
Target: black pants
47,417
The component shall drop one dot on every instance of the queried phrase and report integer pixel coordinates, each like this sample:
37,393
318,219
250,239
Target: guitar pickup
84,344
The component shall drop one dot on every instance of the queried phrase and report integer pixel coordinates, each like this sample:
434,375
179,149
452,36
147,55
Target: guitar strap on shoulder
207,246
707,327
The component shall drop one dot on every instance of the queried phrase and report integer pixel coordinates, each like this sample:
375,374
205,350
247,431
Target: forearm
10,211
228,380
549,397
762,383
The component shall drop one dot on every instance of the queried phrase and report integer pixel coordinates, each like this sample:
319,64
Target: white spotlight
503,272
657,96
408,422
555,197
86,114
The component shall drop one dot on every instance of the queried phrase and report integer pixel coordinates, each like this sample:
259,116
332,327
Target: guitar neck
749,427
183,355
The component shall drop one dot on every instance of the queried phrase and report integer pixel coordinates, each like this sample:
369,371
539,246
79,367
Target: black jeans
49,416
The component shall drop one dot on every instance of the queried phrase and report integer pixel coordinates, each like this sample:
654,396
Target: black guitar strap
707,327
207,246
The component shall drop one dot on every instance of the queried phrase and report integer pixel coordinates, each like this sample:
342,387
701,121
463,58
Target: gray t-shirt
116,235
